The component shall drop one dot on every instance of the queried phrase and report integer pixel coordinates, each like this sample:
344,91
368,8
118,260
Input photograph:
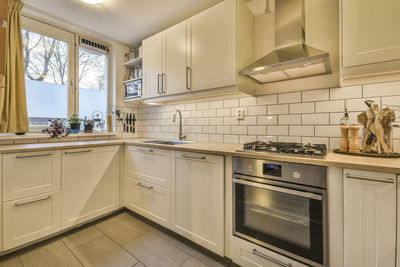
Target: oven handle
279,189
262,255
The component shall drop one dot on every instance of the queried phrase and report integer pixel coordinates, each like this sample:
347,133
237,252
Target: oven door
284,219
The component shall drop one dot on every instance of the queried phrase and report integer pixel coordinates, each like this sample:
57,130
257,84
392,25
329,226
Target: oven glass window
289,222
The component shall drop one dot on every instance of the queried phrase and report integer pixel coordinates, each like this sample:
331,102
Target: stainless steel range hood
292,58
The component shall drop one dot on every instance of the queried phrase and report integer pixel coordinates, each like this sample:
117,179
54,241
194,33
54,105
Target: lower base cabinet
199,199
90,183
31,218
247,254
149,200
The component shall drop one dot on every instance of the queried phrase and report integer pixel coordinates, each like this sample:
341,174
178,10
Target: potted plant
56,129
88,125
75,124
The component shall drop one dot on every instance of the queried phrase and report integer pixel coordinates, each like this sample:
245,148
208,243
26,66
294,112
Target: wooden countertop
332,159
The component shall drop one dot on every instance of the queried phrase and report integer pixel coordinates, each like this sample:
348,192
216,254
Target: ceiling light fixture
93,2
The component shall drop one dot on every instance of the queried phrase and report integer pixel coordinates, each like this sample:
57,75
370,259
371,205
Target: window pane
93,83
46,77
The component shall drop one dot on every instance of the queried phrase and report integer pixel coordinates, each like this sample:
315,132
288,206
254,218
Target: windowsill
6,136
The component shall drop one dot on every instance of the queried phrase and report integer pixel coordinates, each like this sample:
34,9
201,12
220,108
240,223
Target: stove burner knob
296,175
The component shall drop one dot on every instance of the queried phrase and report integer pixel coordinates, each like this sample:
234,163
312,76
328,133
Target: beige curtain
14,115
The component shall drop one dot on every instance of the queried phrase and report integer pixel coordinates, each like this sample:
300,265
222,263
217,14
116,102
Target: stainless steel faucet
181,135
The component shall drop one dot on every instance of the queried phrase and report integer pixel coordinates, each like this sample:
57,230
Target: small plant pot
88,128
75,127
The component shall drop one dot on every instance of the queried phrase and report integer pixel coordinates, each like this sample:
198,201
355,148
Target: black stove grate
287,148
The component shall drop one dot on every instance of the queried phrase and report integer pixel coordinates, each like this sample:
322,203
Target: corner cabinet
370,37
369,219
198,200
90,183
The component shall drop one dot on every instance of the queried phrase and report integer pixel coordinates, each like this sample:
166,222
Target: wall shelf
133,63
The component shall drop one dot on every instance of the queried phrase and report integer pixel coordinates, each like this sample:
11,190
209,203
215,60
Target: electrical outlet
240,114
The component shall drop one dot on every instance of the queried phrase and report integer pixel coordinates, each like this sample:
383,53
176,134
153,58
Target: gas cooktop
286,148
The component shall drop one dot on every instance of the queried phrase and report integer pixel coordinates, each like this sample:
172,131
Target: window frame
72,39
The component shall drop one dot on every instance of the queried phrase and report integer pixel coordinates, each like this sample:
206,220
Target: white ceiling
126,21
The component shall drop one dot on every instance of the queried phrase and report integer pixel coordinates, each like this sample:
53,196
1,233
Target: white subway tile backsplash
315,95
257,130
257,110
231,103
327,131
381,89
358,104
278,130
278,109
289,98
329,106
267,120
301,130
346,92
303,116
267,99
302,108
289,119
239,129
248,101
315,119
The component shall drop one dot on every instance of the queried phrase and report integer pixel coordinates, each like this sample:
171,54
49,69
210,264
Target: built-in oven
283,207
133,88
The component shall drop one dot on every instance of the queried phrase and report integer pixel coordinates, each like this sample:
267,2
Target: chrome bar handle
77,152
31,202
366,178
259,254
188,78
144,150
163,82
34,156
158,83
145,186
193,157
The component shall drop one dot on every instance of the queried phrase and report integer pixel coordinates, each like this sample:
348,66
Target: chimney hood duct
292,58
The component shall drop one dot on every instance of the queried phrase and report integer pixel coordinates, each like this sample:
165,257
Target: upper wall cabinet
370,37
212,47
197,55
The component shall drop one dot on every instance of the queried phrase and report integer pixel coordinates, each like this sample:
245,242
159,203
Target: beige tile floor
122,239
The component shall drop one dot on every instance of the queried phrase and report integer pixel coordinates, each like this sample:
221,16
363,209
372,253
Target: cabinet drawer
247,254
31,173
149,164
149,200
43,212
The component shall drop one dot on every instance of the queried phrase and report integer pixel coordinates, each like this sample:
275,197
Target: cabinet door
149,200
90,179
212,47
31,218
369,219
152,66
31,173
199,199
149,164
174,59
370,31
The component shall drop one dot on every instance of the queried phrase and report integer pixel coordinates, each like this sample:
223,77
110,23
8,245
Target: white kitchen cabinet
90,183
369,219
149,200
198,199
31,173
212,47
28,219
370,38
149,164
152,66
247,254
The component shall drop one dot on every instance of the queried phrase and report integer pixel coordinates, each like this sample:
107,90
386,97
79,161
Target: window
52,67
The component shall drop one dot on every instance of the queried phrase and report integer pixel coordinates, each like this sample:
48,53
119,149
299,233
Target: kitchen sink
168,142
